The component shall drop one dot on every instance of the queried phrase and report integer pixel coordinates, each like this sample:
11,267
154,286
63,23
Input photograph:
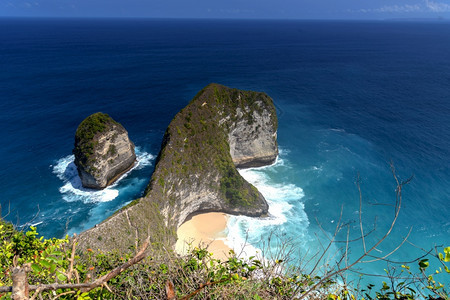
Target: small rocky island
219,130
102,151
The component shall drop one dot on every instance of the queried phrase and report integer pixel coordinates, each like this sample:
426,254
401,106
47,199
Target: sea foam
246,234
72,189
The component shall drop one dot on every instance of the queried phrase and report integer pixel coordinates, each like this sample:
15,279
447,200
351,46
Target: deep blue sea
351,97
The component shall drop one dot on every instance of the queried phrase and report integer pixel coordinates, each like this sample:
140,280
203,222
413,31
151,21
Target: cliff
102,151
221,128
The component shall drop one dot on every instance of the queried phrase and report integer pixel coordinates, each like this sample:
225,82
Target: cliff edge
102,151
219,130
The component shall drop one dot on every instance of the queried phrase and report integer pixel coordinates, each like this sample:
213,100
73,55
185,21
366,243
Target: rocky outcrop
102,151
253,144
221,128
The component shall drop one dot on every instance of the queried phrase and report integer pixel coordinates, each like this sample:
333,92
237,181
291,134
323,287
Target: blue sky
266,9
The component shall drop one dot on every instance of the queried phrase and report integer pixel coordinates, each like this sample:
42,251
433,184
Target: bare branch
398,202
170,290
202,286
9,210
390,253
27,224
72,259
346,247
358,184
139,256
63,294
37,293
136,233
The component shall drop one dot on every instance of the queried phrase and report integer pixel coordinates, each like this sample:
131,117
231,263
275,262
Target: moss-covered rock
102,151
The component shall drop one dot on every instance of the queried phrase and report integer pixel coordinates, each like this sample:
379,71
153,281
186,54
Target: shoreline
205,229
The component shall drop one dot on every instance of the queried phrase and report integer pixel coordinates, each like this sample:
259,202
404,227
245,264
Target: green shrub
197,275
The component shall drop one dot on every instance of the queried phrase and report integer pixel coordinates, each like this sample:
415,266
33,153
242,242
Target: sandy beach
204,229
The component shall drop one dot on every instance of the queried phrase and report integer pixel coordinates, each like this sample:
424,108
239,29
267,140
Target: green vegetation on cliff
86,132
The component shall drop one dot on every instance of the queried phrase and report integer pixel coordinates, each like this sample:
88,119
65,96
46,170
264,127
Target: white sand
207,230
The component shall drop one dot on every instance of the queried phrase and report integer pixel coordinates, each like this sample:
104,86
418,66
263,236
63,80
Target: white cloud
10,4
398,8
438,6
19,4
230,11
424,7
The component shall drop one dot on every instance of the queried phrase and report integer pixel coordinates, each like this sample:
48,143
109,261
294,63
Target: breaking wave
245,234
72,189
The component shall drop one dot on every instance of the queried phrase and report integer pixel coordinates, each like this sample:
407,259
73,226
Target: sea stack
102,151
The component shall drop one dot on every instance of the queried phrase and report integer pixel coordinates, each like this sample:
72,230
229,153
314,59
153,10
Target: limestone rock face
102,151
254,144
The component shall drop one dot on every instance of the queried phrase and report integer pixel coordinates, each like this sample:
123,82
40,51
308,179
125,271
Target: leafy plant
196,275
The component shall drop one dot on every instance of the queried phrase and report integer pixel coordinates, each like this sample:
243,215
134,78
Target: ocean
352,97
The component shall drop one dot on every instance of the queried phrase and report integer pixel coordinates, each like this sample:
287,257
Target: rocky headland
195,172
102,151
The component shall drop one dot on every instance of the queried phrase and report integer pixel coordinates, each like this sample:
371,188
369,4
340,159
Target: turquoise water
351,97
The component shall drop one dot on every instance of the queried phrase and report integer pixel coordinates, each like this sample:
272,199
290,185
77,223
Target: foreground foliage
197,275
